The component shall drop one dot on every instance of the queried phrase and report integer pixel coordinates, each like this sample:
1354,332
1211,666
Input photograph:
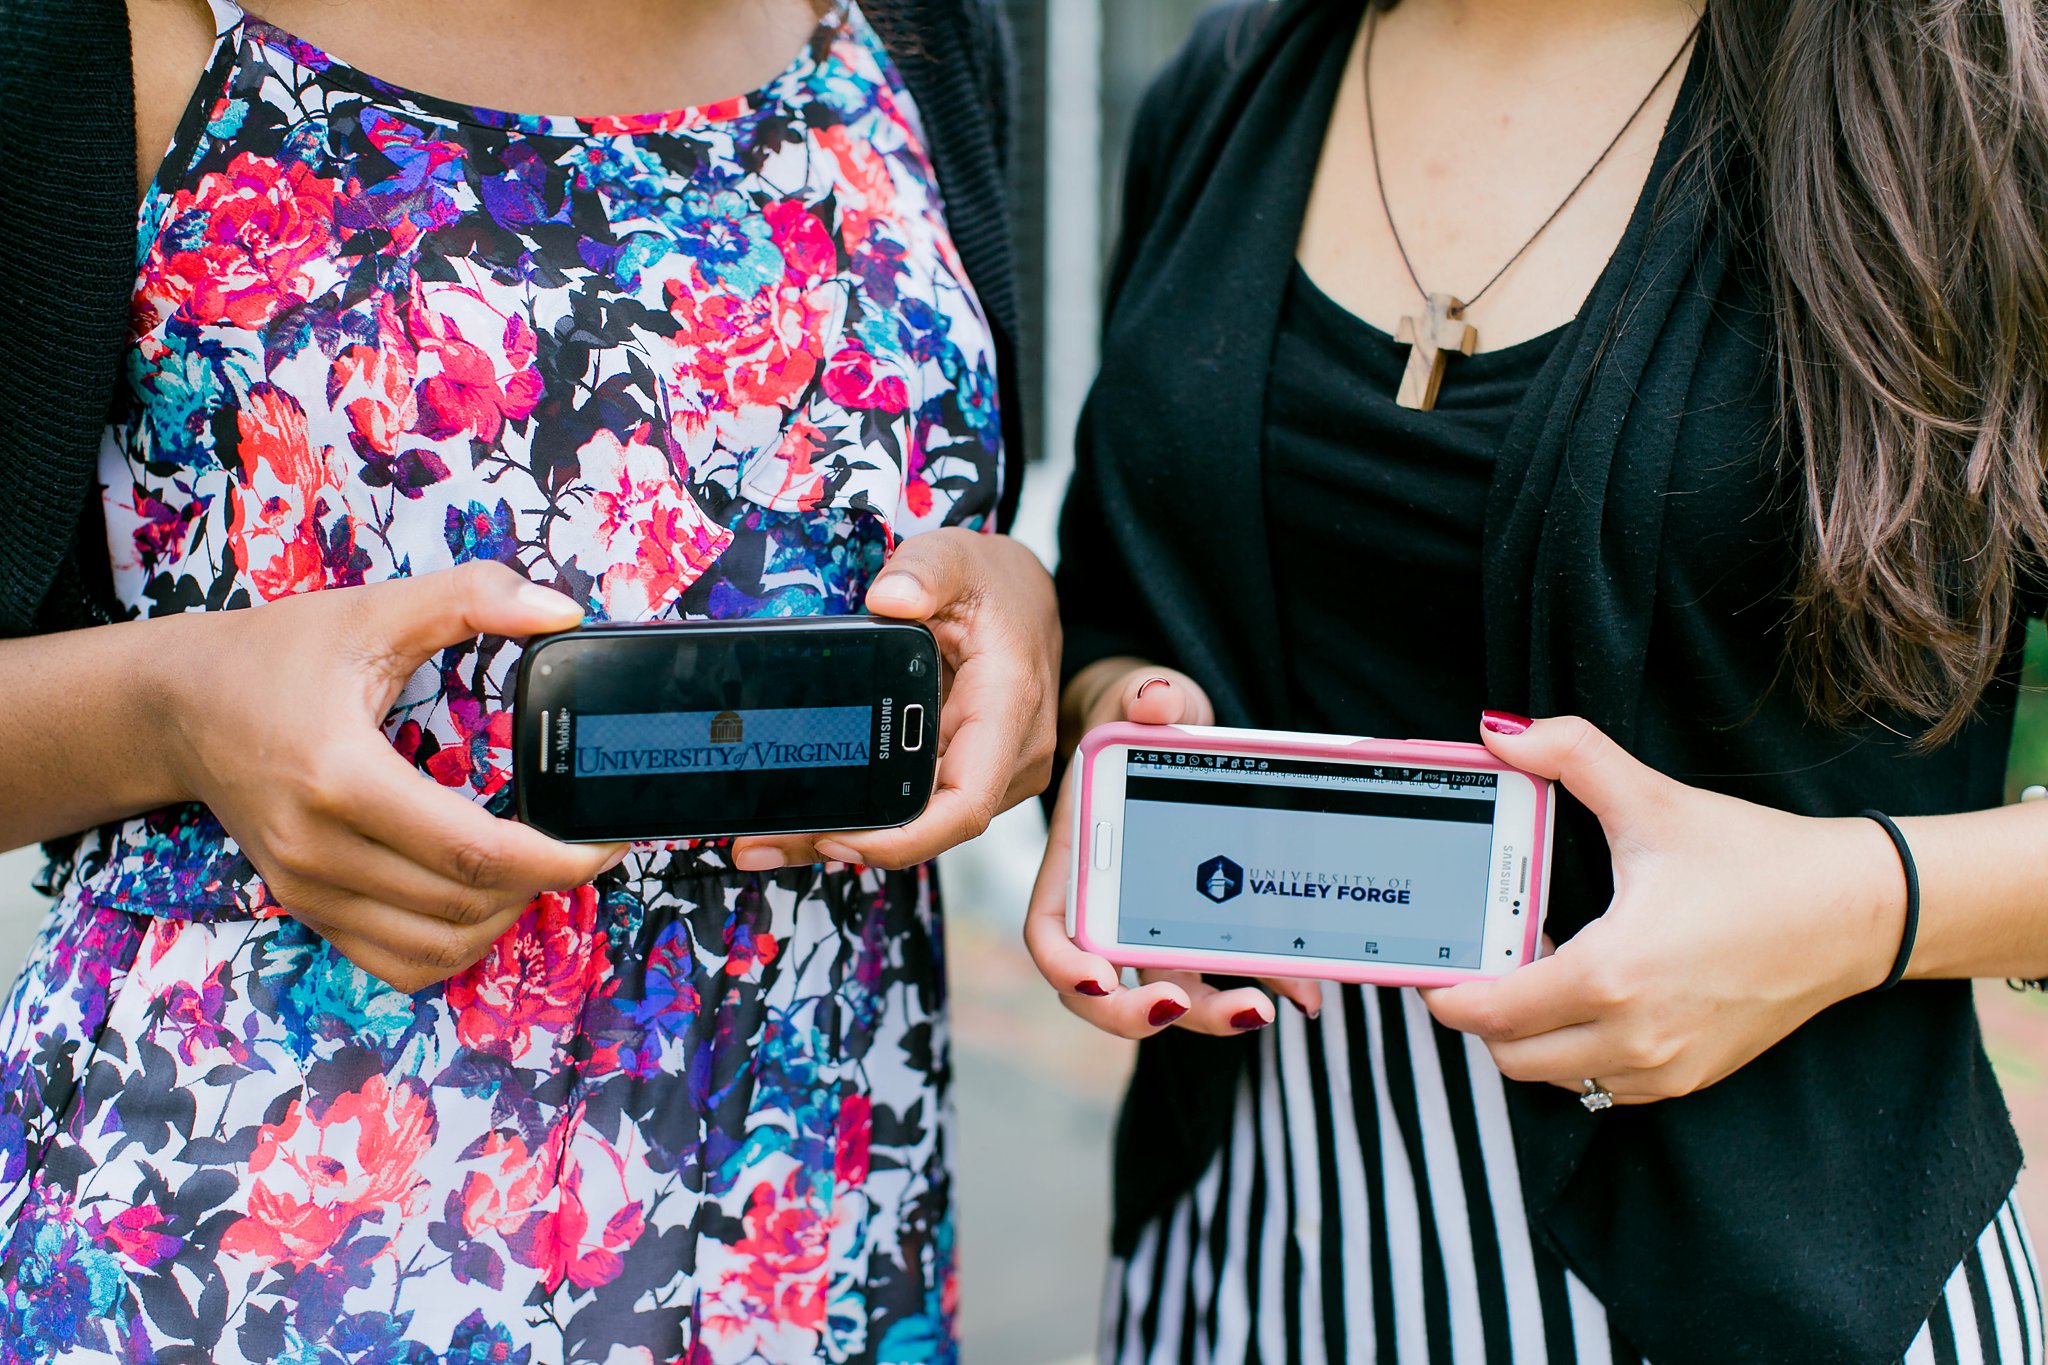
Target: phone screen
719,730
1354,861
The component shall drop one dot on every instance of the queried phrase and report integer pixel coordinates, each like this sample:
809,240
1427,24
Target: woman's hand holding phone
1731,925
989,603
275,717
1090,985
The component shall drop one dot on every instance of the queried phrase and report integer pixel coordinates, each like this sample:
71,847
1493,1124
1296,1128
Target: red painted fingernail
1244,1021
1505,722
1165,1012
1149,683
1094,988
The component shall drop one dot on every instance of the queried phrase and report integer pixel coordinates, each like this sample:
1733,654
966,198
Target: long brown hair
1896,153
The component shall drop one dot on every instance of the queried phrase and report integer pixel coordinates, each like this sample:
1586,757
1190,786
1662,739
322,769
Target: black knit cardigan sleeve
67,219
67,258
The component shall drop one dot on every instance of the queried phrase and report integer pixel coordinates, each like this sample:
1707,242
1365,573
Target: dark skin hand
990,604
270,717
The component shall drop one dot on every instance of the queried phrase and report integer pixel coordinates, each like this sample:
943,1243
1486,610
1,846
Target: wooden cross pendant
1430,340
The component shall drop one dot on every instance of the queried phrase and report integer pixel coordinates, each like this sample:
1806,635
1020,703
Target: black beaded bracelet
1912,930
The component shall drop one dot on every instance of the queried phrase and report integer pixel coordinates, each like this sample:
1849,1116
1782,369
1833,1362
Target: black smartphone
704,730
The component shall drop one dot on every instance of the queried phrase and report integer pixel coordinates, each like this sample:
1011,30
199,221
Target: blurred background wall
1035,1091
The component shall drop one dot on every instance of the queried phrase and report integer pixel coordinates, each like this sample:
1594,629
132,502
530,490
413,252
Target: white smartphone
1267,853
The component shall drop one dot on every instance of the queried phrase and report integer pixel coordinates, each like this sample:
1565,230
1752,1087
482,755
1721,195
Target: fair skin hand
1732,924
1629,1000
1088,985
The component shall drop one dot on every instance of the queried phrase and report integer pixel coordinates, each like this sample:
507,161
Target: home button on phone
913,728
1105,843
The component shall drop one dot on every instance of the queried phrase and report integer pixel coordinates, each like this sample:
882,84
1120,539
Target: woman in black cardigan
319,1054
1744,467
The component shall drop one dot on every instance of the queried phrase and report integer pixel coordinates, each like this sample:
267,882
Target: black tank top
1374,521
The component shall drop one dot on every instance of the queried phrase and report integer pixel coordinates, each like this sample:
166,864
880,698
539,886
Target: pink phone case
1277,744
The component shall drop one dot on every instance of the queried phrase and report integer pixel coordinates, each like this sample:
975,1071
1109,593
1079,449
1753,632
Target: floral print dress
705,363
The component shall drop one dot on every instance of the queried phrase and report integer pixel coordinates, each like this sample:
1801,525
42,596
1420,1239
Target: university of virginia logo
1219,879
728,728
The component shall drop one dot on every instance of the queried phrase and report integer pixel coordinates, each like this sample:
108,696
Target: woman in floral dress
320,1060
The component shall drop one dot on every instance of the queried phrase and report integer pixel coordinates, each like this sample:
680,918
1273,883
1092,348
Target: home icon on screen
727,728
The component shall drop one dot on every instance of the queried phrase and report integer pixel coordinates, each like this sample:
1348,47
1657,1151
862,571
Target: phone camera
917,667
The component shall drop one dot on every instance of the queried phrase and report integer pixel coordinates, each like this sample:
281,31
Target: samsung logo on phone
888,735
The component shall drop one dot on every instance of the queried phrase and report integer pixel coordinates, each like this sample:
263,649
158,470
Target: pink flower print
318,1175
502,1197
534,982
466,390
297,567
266,227
671,120
791,478
194,1017
480,760
284,488
745,949
383,408
808,252
274,444
417,197
738,352
865,171
478,755
133,1232
854,380
163,529
851,1137
654,539
775,1289
595,1219
917,498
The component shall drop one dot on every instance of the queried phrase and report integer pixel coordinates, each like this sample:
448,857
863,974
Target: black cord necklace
1442,328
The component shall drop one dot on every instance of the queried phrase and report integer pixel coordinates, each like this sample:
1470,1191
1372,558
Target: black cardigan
67,258
1636,551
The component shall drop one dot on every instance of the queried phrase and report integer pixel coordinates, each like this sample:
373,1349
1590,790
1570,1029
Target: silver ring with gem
1597,1096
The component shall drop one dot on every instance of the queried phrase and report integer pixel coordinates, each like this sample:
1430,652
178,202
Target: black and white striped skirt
1367,1207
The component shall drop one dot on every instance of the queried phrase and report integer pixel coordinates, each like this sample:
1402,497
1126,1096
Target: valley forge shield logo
1219,879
